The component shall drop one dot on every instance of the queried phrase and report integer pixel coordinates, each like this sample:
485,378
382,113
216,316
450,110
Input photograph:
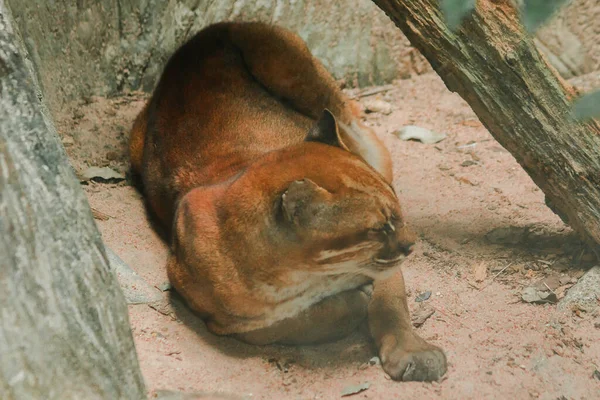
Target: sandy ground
453,193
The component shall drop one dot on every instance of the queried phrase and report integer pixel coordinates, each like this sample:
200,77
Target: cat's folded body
284,225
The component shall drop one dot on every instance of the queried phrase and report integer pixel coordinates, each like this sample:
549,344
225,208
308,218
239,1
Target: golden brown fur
284,226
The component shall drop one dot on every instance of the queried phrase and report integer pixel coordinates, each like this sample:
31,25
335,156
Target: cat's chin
389,261
378,271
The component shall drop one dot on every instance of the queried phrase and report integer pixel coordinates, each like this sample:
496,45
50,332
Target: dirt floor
454,194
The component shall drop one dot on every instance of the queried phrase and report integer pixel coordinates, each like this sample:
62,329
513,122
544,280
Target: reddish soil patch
453,193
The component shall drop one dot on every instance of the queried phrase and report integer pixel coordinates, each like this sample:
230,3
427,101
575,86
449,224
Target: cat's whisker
327,256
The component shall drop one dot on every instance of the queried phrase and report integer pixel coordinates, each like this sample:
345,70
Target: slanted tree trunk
493,64
64,328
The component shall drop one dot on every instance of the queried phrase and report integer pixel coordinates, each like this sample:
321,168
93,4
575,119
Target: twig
545,284
455,320
474,286
495,276
501,271
100,215
545,262
372,91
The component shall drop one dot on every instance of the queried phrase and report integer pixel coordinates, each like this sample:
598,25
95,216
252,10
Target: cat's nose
406,240
408,248
396,250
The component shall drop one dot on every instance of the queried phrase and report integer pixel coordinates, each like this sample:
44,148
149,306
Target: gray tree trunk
492,64
64,328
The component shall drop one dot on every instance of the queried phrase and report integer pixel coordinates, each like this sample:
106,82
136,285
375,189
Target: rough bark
101,47
493,64
64,328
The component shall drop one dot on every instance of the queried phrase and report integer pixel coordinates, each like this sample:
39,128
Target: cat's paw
423,362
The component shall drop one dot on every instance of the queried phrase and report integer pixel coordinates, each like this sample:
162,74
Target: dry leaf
354,389
471,122
464,179
421,314
548,283
376,105
480,272
423,135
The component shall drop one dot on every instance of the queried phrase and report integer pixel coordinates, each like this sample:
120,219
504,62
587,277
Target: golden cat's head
314,207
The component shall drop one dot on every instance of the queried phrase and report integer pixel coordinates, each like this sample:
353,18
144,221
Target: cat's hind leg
282,63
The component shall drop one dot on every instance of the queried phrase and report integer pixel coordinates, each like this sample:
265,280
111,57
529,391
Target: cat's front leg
330,319
404,355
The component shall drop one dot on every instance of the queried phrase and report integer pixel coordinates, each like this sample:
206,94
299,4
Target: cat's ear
326,131
303,201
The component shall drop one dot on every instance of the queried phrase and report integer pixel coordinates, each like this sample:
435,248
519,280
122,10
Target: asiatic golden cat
284,224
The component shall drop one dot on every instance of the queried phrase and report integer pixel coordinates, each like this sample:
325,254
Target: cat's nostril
407,249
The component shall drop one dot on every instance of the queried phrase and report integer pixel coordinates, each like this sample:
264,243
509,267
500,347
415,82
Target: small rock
585,293
112,155
423,135
379,106
135,288
165,286
423,296
596,374
104,174
354,389
534,296
68,141
468,163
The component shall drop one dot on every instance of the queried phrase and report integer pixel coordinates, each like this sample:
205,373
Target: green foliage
455,10
535,12
587,106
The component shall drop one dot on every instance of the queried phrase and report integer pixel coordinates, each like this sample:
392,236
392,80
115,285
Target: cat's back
210,111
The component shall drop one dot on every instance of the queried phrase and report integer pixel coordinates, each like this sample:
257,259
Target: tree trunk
493,64
64,328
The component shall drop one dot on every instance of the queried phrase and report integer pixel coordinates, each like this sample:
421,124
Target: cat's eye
379,228
387,228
